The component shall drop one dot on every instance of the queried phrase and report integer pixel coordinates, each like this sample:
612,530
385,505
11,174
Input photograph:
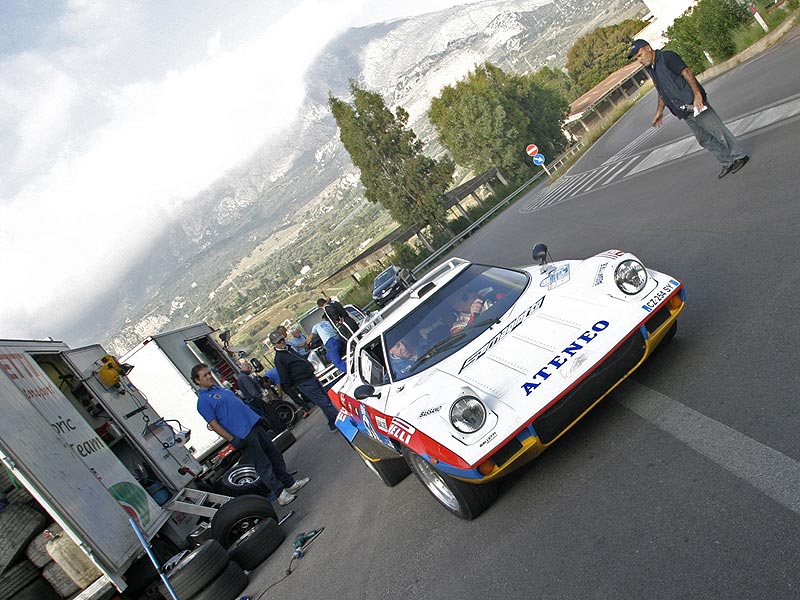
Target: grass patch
749,35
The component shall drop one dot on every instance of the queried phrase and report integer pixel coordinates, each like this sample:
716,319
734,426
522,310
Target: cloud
124,113
87,208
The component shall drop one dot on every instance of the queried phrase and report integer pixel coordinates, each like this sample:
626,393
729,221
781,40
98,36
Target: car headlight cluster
468,414
630,276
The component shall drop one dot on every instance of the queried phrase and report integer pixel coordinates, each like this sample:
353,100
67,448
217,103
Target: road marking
571,186
769,471
739,127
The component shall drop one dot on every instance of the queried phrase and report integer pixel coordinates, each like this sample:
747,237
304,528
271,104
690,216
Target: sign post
539,160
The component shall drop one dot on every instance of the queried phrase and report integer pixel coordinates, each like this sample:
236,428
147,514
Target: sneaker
298,483
726,169
739,163
286,497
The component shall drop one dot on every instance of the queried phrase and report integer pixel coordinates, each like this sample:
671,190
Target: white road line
771,472
738,127
591,176
621,170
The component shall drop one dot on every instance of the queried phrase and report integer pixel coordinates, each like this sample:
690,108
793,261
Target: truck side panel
69,468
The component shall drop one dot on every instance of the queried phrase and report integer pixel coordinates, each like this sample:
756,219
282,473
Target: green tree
489,117
394,171
707,26
555,80
599,53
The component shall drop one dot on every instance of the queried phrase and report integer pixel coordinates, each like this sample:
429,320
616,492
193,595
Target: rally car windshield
451,318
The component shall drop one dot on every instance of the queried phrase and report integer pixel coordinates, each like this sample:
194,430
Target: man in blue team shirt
334,344
680,92
237,423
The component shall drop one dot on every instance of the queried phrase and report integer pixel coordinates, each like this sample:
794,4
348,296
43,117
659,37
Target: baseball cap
275,337
637,45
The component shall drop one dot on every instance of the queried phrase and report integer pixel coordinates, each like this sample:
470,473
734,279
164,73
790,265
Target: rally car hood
564,325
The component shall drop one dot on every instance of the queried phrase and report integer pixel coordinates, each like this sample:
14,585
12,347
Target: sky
114,114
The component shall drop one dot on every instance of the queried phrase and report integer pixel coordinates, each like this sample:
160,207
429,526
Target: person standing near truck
298,372
272,376
333,342
237,423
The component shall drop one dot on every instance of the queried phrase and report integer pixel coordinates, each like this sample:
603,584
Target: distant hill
298,201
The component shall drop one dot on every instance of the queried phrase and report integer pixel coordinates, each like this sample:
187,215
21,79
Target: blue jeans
334,349
313,390
712,135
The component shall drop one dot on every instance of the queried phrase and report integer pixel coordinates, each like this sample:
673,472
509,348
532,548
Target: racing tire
39,589
197,570
257,544
286,412
236,516
390,471
464,500
6,483
230,583
59,580
243,479
19,524
16,578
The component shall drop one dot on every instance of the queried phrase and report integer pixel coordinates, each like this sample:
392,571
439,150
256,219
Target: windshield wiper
485,322
437,348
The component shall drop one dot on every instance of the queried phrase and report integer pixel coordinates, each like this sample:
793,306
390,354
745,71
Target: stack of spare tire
245,531
20,525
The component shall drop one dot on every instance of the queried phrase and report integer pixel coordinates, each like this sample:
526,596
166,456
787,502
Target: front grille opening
563,413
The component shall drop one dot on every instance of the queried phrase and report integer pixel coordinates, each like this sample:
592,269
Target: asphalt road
683,484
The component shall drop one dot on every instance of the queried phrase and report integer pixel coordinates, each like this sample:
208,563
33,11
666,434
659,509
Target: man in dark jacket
298,372
679,90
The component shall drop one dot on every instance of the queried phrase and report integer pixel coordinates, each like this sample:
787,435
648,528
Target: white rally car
477,369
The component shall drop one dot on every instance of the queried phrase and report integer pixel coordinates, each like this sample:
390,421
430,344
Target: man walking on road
679,90
297,371
237,423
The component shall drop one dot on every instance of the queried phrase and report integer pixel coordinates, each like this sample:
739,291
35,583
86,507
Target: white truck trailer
90,449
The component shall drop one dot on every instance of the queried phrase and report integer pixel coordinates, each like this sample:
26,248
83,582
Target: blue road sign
538,159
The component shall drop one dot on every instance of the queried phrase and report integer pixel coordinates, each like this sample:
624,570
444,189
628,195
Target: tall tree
555,80
489,117
599,53
394,170
707,26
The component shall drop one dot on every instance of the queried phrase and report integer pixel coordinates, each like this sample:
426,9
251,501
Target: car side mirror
539,253
257,366
363,392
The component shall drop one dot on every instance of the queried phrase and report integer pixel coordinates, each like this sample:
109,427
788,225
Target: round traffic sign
538,159
532,149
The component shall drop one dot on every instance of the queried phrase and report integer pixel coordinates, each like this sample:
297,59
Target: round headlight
467,414
630,276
